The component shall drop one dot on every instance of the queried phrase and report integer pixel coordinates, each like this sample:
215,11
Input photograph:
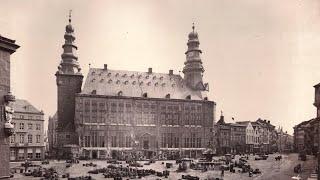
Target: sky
261,57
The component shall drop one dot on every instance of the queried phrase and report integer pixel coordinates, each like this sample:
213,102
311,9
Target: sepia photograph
156,90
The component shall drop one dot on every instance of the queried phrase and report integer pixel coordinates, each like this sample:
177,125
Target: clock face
190,54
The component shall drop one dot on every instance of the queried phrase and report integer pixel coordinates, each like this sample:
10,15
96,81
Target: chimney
170,72
105,67
149,70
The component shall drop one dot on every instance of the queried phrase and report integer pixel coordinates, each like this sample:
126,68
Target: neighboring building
249,136
304,139
223,136
265,134
7,47
285,141
237,138
121,113
273,141
52,135
257,143
28,140
306,134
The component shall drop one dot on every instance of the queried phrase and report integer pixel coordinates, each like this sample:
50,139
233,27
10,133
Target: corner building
123,114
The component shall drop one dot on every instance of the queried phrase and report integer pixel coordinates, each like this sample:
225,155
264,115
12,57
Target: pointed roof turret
193,68
69,63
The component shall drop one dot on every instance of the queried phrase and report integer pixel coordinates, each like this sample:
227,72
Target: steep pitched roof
23,106
137,84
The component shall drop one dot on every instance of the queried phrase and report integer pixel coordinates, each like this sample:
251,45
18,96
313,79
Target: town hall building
122,114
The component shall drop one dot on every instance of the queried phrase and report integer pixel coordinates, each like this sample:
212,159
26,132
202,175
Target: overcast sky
261,57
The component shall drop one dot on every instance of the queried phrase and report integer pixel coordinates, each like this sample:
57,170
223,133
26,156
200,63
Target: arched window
168,96
188,97
205,98
120,93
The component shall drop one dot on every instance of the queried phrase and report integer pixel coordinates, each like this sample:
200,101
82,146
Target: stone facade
7,47
154,127
28,140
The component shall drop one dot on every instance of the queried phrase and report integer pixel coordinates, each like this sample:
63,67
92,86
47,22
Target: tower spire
69,63
193,27
193,68
70,11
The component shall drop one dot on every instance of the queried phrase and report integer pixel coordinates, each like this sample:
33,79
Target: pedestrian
222,172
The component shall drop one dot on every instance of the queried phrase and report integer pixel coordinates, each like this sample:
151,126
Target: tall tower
193,69
69,81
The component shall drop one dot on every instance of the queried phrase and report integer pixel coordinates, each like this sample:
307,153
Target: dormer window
110,81
147,77
118,82
132,75
205,98
124,75
161,78
126,82
93,73
94,91
133,82
145,95
109,74
156,84
120,93
188,97
93,80
139,76
168,96
154,77
117,74
141,83
149,83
